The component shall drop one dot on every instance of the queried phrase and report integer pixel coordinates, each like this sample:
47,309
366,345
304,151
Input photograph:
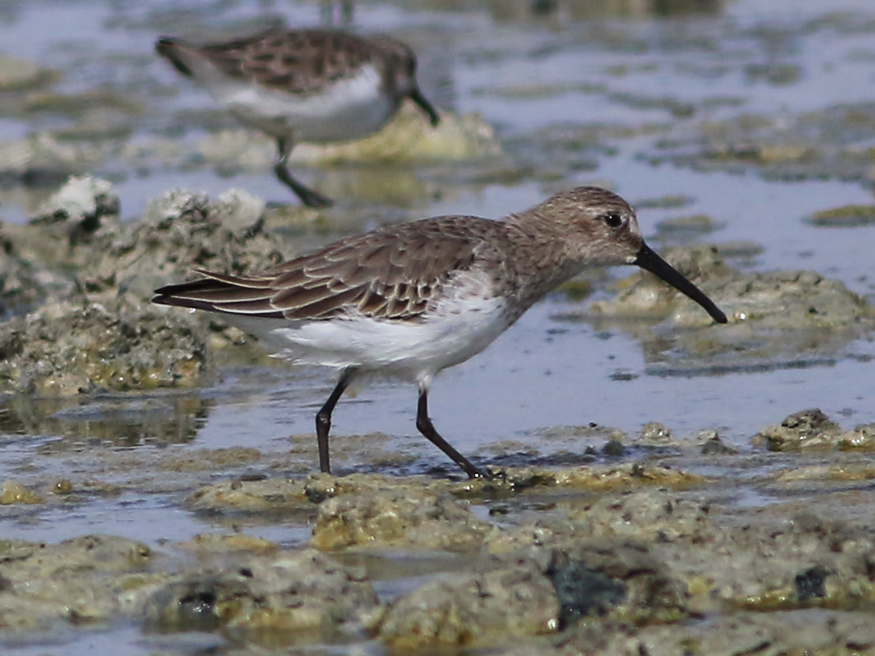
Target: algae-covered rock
622,578
85,579
276,599
819,144
643,515
796,632
801,430
789,300
813,631
696,223
670,548
812,429
627,475
506,598
22,284
271,495
181,231
408,137
861,437
775,562
398,517
205,544
100,331
81,201
41,158
640,515
13,492
773,316
533,591
845,216
82,210
18,73
646,295
656,434
76,233
69,347
584,591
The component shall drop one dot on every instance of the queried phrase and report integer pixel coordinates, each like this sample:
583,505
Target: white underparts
347,109
461,325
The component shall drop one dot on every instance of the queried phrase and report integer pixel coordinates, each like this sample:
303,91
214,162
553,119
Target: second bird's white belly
348,109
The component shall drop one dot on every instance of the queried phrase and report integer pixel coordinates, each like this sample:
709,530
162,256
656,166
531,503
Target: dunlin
304,85
411,299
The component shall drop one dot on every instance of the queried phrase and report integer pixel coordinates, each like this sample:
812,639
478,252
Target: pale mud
631,544
793,147
775,317
86,323
627,558
626,551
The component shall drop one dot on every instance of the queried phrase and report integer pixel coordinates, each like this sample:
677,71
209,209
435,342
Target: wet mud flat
621,544
647,547
590,539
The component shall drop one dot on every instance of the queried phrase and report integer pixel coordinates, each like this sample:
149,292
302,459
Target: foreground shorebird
411,299
304,85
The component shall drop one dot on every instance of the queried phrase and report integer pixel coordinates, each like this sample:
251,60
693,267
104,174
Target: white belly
348,109
410,350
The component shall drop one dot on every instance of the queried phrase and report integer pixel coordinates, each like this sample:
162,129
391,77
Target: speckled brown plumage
320,86
390,273
297,61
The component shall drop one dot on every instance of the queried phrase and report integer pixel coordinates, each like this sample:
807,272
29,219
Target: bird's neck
542,257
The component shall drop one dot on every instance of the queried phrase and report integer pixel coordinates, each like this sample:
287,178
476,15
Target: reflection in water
120,421
523,10
710,352
343,9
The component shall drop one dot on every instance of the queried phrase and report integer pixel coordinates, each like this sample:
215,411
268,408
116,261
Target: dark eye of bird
613,220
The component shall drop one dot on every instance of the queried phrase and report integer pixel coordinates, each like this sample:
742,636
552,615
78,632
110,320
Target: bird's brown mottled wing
298,61
390,273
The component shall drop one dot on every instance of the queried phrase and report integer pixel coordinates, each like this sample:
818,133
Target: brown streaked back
390,273
296,61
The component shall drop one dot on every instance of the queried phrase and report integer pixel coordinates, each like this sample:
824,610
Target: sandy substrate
638,544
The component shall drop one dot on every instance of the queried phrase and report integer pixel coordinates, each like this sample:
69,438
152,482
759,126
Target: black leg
323,421
309,197
423,423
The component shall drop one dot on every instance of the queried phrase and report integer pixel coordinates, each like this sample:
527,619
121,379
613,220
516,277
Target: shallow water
627,82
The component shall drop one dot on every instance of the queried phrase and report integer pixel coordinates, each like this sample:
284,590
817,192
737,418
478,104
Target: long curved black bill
648,260
417,97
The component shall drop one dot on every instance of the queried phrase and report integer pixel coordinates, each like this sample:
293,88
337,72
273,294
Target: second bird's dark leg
323,421
309,197
423,423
